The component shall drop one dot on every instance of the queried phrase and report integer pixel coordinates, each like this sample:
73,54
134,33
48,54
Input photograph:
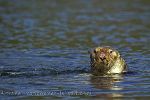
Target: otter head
102,59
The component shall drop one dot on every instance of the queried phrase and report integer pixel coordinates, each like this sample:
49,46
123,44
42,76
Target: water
44,48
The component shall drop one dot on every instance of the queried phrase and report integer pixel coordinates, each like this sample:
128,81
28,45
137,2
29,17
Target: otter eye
111,51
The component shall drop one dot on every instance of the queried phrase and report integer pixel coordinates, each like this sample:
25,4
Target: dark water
44,48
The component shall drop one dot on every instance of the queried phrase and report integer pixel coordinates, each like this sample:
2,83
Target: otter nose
102,56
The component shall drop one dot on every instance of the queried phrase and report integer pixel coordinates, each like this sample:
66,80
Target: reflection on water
44,48
107,82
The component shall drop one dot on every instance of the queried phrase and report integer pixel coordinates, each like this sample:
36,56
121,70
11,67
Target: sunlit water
44,48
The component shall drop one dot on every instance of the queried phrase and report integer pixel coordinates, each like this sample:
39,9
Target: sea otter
106,60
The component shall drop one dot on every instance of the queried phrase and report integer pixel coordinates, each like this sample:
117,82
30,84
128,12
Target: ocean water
44,48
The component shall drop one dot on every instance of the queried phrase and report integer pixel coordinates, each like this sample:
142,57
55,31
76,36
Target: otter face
103,58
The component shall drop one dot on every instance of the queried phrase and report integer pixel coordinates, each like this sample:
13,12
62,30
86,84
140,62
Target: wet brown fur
112,56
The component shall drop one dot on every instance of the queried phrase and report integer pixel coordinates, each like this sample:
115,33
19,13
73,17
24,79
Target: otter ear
118,54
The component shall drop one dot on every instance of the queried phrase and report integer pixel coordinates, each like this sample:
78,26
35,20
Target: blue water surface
44,48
